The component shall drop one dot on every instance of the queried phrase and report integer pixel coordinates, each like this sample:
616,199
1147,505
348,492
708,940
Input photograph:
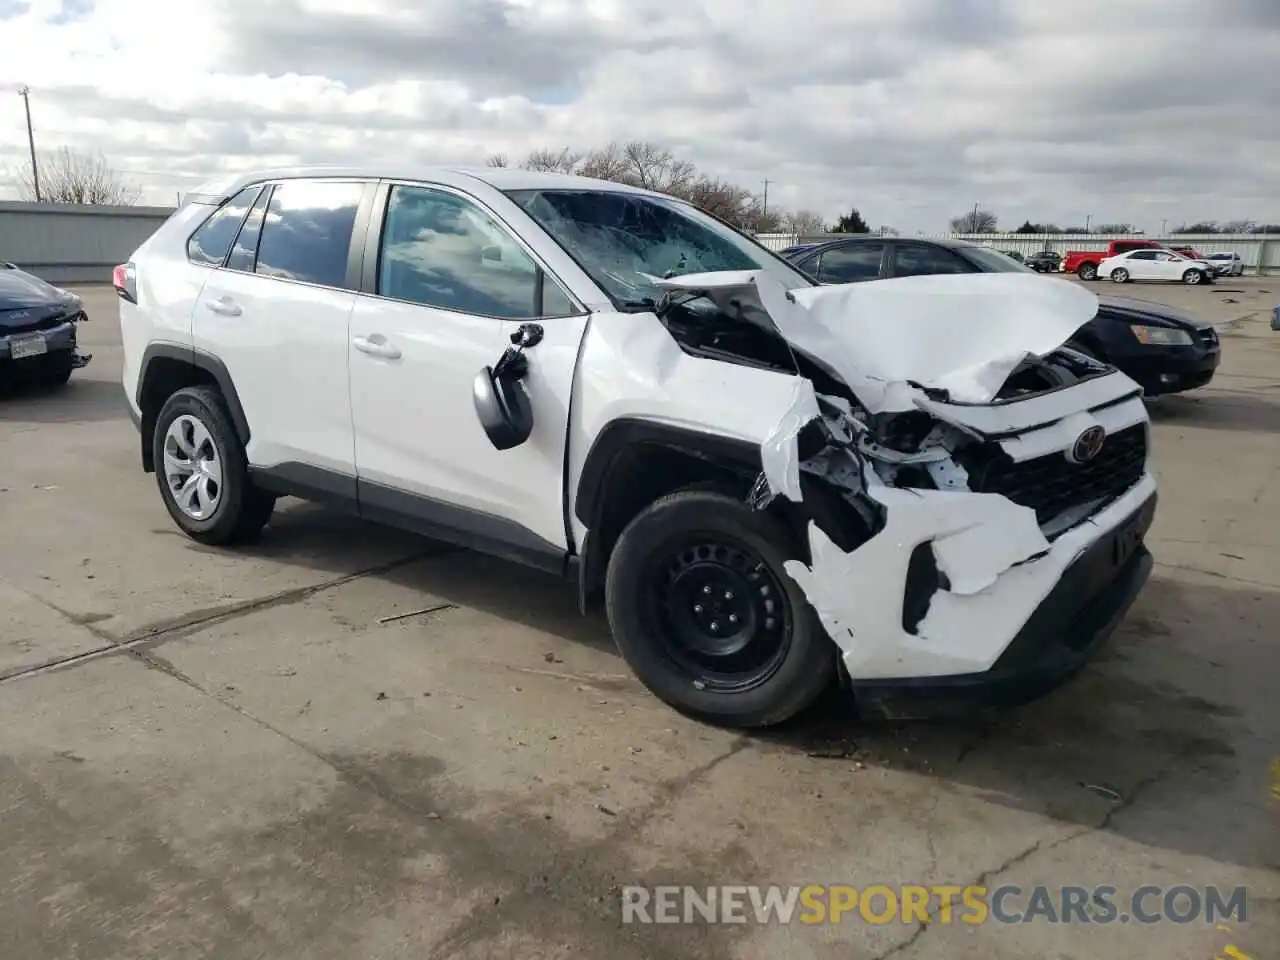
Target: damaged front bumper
1090,596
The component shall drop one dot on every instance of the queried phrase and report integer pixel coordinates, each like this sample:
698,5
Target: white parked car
1227,264
1151,264
764,478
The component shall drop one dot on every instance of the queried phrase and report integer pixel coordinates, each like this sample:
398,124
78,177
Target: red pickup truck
1084,263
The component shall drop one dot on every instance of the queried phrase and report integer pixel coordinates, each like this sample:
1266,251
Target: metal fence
71,242
1260,252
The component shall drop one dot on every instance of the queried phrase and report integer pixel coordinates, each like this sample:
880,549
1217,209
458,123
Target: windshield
627,241
992,261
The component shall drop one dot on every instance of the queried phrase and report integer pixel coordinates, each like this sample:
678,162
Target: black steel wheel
704,612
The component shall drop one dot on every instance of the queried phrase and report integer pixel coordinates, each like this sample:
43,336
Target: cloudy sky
912,110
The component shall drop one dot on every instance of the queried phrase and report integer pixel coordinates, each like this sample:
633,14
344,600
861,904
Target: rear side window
917,260
1147,255
209,244
306,234
245,250
851,264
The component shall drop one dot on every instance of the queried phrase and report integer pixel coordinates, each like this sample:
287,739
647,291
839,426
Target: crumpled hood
963,334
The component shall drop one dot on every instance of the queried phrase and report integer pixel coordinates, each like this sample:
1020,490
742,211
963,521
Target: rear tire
1087,271
202,471
704,612
1120,275
1193,277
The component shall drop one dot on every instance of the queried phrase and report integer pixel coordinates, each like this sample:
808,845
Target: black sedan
1163,349
37,329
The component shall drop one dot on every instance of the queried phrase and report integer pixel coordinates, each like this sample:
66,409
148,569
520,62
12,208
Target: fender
203,361
623,436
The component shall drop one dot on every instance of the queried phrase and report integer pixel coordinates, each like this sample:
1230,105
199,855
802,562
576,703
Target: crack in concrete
1041,846
153,635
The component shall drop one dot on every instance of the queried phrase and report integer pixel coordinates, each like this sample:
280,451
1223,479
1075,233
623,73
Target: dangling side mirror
503,408
500,399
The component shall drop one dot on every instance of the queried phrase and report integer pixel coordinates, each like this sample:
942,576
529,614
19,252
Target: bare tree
1105,228
497,160
975,221
71,176
607,163
1238,226
552,161
1200,226
887,231
640,163
804,223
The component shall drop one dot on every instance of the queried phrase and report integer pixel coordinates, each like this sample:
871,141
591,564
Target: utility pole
1164,224
973,223
1088,218
24,91
764,207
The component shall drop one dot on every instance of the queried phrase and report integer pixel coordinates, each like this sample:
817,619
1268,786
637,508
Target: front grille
1051,484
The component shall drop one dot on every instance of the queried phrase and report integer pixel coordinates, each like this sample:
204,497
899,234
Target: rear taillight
123,279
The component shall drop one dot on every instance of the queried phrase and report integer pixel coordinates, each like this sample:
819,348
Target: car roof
500,178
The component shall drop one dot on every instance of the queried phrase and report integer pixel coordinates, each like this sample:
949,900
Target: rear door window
919,259
210,243
306,234
850,263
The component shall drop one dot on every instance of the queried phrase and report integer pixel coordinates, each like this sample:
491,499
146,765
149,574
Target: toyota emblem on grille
1088,445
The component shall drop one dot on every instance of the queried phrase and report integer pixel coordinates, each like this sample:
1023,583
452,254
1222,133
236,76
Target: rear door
1164,266
850,262
276,314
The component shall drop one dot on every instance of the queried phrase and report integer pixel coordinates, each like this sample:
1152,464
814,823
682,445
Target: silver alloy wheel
1192,277
192,467
1120,275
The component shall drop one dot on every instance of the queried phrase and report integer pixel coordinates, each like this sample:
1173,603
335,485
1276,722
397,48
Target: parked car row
1163,349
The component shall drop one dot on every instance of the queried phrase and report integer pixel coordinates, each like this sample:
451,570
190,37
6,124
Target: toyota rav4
911,484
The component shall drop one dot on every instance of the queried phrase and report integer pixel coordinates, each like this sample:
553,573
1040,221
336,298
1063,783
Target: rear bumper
1088,603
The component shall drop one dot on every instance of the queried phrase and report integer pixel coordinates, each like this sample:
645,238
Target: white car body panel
286,336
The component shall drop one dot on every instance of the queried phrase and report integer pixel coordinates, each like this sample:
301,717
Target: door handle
224,307
375,345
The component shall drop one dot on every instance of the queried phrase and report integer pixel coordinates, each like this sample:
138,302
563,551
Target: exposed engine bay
950,478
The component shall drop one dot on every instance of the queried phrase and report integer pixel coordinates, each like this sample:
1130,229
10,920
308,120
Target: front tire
202,471
1120,275
1087,271
704,612
59,376
1193,277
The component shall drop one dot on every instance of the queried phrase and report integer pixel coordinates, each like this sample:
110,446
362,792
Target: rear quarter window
211,241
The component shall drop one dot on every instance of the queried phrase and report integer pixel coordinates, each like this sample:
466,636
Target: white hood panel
962,334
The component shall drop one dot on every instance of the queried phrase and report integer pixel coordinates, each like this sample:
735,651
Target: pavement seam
156,634
1041,846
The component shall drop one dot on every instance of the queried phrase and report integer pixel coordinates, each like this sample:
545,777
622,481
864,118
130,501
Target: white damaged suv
909,483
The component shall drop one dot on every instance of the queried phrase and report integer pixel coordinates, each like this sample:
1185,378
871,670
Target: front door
452,285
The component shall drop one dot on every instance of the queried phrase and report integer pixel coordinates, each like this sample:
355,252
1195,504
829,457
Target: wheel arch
168,367
634,462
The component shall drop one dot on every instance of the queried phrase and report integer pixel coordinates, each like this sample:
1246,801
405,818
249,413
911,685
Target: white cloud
912,111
